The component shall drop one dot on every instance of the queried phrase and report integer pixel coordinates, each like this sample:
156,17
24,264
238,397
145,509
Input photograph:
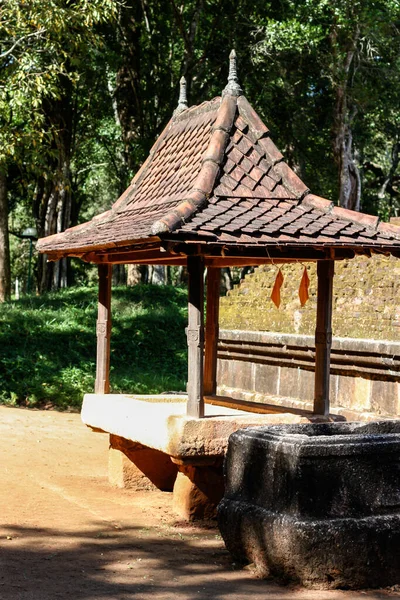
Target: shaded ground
65,534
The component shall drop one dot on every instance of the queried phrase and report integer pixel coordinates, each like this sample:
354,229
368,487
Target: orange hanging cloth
276,291
303,289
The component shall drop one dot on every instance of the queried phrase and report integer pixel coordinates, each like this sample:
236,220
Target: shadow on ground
135,563
39,563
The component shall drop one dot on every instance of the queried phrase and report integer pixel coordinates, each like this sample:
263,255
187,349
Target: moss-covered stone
366,292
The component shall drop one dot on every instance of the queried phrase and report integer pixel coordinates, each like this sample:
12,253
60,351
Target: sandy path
64,533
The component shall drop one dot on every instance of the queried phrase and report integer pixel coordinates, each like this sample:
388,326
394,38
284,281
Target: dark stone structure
316,503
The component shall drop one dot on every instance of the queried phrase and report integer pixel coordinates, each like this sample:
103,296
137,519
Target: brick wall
366,300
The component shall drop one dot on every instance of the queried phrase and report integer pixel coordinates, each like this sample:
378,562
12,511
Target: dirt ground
66,534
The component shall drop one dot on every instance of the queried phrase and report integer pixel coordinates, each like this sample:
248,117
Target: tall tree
345,47
44,49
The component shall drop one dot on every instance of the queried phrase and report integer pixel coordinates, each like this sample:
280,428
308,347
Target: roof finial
233,88
182,102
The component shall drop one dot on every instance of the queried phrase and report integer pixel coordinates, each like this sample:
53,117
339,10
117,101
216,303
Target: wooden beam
254,407
212,330
195,337
158,260
233,261
323,336
142,256
286,252
103,329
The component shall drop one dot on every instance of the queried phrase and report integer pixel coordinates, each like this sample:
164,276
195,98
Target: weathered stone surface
241,377
289,382
197,491
384,397
266,378
306,385
160,423
366,292
318,504
124,474
134,466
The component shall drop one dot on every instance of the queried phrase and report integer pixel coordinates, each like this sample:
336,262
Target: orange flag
303,289
276,291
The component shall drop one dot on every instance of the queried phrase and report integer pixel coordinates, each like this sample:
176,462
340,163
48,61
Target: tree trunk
128,85
118,275
134,275
159,275
344,114
349,174
53,205
388,180
5,272
226,283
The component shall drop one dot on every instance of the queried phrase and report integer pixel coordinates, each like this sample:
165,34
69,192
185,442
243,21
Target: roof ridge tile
290,180
318,202
248,113
198,109
208,174
369,221
389,228
272,153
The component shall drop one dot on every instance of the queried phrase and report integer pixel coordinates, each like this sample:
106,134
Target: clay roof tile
215,173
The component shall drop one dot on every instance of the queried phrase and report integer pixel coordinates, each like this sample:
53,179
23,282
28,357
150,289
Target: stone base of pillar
137,467
198,490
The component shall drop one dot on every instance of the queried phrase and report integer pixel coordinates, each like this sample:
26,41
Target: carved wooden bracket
101,327
195,337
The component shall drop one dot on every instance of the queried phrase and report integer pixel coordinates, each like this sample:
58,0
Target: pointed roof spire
233,88
182,102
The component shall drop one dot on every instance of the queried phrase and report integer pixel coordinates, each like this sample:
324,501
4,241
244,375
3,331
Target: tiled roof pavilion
215,191
214,177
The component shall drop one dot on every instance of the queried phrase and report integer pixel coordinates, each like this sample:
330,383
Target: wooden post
212,330
323,336
195,336
102,385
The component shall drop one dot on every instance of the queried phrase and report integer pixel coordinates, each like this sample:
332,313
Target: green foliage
48,344
41,41
329,63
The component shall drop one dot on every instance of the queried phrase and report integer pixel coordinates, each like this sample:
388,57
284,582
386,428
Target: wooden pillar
212,330
323,336
195,336
102,385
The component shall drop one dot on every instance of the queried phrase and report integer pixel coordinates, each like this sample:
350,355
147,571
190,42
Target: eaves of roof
214,175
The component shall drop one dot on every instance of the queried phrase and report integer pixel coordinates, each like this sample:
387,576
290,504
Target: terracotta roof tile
215,172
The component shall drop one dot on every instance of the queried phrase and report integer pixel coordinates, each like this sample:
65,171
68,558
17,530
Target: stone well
315,503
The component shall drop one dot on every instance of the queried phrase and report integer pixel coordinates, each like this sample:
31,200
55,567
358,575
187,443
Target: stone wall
366,305
267,354
278,369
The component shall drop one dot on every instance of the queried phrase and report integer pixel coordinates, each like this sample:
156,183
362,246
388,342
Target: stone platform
153,442
318,503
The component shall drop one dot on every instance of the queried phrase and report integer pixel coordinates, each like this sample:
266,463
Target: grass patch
48,344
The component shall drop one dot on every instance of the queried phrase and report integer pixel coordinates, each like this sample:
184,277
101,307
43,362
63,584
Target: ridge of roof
194,111
207,176
372,222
